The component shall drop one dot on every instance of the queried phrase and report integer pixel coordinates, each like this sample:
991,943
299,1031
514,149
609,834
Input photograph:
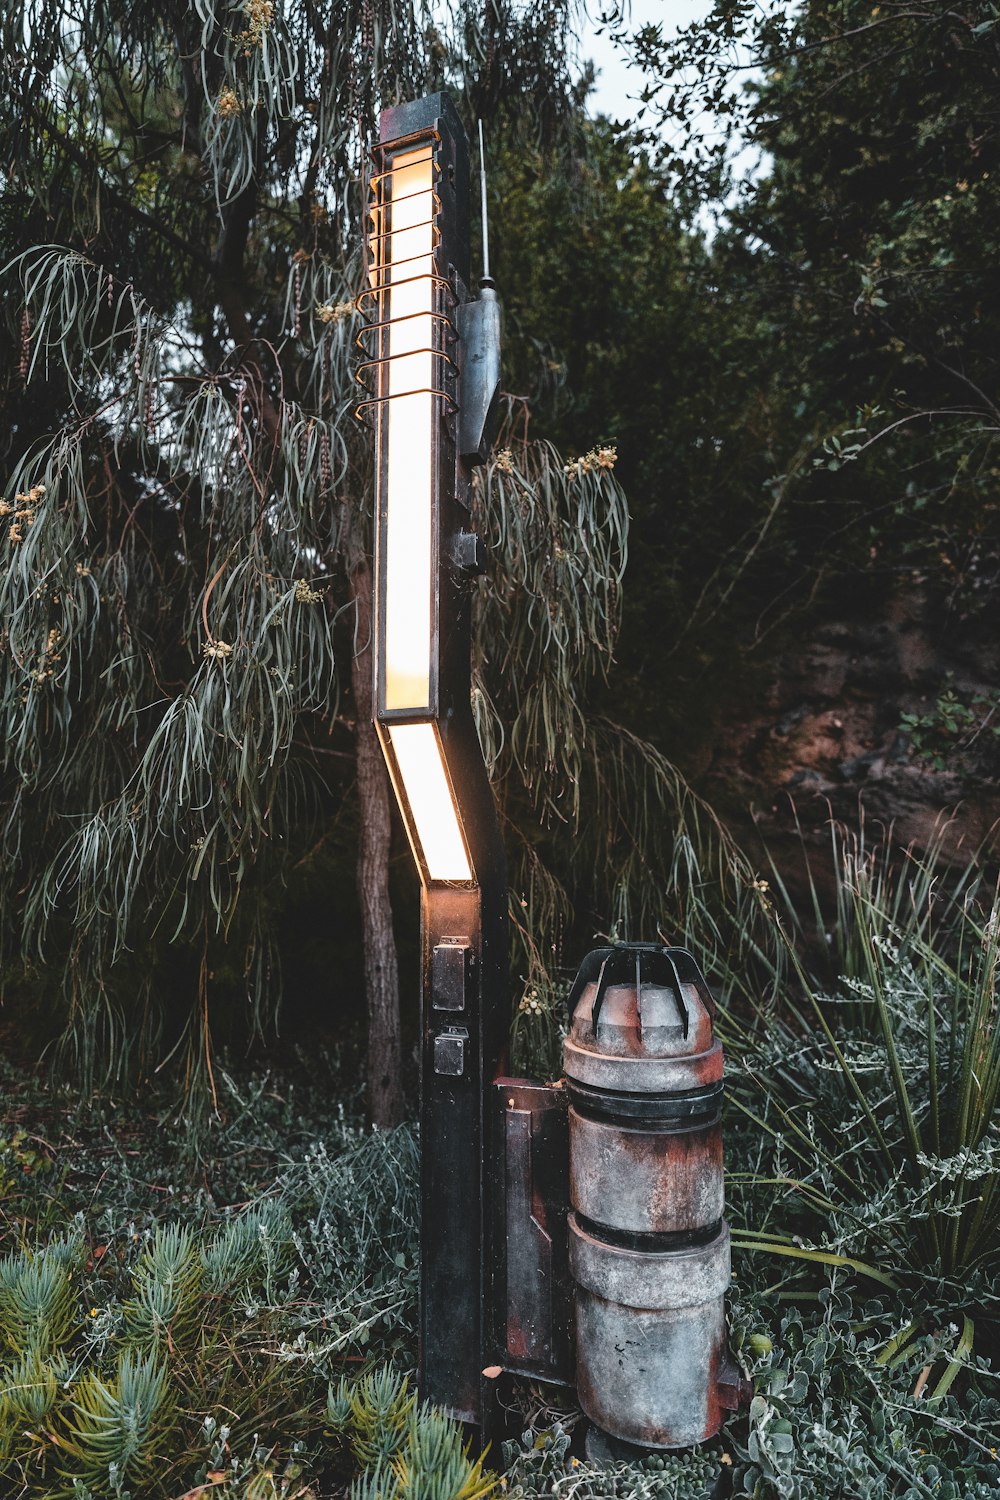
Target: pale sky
615,80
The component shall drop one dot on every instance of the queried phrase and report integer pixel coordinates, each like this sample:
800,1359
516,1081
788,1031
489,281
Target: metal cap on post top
647,1007
649,1247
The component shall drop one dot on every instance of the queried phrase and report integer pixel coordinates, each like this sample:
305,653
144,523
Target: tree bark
385,1078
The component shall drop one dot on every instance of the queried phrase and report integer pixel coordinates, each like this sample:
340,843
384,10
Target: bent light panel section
435,822
409,561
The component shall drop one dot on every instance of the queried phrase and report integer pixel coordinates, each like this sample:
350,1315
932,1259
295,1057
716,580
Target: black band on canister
675,1111
652,1242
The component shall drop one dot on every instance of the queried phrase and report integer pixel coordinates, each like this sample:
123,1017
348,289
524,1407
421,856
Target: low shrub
163,1339
234,1314
873,1107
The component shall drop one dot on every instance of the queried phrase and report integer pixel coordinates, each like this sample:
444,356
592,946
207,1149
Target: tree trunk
385,1079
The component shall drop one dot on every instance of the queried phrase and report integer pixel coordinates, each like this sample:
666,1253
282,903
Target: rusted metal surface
735,1389
651,1333
653,1039
535,1295
648,1181
657,1074
688,1277
648,1247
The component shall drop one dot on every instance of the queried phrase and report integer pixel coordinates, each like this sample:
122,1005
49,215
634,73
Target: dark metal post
432,362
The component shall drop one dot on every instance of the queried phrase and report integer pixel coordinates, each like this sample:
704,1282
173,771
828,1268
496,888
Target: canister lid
641,1003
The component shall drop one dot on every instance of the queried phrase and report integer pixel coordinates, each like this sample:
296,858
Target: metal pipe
487,279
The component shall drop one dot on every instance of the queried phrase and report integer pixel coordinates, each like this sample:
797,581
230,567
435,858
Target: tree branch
79,156
228,268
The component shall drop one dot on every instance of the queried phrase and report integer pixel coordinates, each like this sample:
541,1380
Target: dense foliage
186,588
245,1320
801,409
799,402
804,404
186,595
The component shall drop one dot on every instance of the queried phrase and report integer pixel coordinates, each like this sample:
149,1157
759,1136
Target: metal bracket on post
479,330
534,1301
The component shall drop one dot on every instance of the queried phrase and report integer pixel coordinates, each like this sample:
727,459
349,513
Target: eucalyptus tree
186,584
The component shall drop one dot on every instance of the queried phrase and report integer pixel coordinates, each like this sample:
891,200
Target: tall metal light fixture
432,374
635,1276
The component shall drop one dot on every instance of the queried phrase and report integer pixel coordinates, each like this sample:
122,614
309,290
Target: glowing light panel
421,767
410,414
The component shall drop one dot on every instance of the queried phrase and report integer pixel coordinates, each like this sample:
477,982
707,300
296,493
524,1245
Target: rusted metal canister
648,1245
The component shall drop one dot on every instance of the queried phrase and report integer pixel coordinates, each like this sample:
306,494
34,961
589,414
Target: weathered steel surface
534,1295
650,1074
643,1180
647,1378
647,1038
649,1349
647,1280
735,1389
648,1247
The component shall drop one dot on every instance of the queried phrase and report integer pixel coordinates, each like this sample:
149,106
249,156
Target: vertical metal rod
482,194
